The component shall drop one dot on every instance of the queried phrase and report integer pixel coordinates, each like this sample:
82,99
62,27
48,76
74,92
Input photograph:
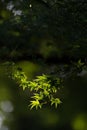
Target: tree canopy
43,28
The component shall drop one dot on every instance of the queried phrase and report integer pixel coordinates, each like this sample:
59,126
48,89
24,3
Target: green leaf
79,63
41,78
37,96
35,104
55,101
54,89
32,85
46,93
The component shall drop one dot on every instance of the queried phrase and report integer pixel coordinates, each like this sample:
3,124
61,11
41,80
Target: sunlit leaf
35,104
55,101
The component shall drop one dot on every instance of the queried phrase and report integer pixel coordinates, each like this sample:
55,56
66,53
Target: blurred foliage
79,122
26,32
69,115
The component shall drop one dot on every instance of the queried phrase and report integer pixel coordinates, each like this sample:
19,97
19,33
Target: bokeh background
16,115
38,35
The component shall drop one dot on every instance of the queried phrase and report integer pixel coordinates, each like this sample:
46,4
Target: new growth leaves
44,88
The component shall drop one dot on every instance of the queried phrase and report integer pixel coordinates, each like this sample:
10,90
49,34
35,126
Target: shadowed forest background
38,36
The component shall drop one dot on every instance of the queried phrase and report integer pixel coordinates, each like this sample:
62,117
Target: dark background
38,35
